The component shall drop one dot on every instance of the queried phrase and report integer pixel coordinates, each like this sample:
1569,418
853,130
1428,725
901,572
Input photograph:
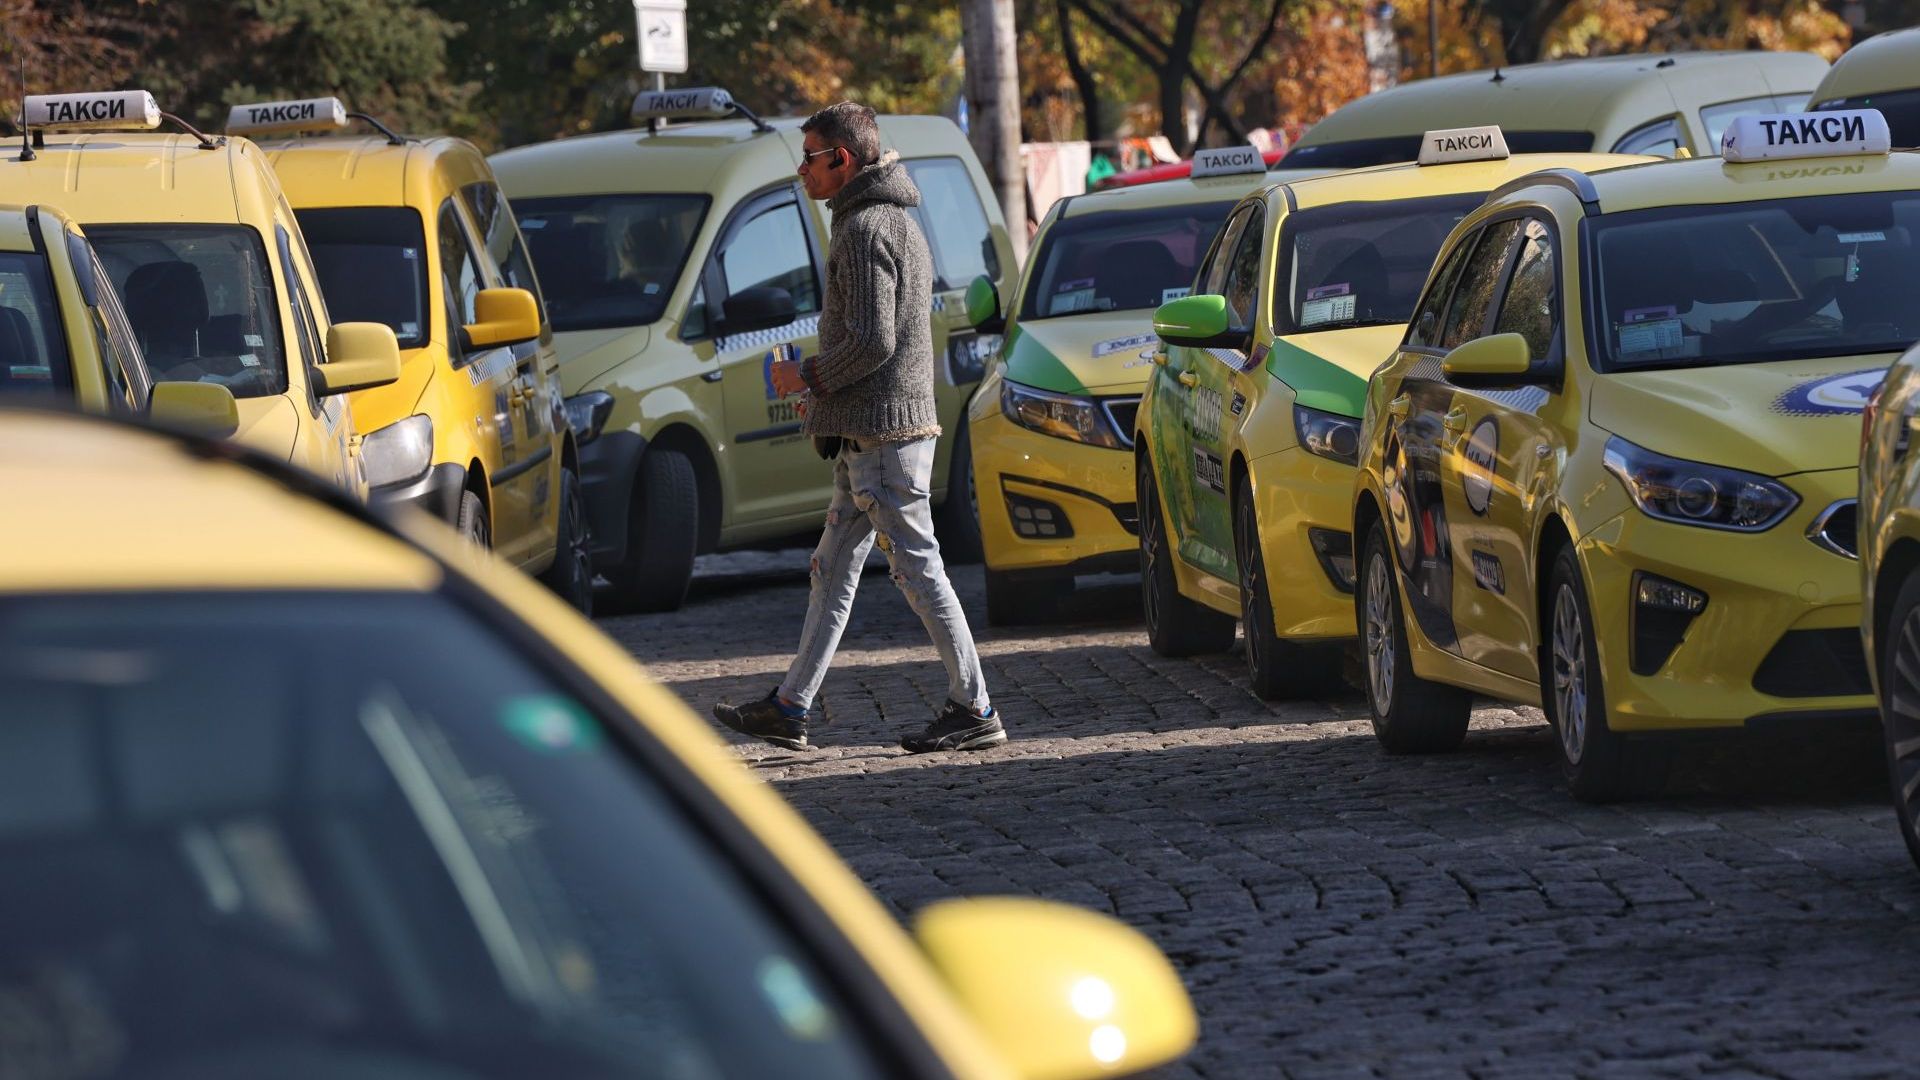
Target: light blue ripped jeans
882,492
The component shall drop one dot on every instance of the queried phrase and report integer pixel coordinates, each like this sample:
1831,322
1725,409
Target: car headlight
400,452
587,413
1327,435
1693,493
1061,415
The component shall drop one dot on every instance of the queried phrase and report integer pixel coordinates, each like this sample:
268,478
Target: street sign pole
661,27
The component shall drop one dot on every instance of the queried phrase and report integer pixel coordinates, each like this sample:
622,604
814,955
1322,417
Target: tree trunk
1082,77
1173,77
993,106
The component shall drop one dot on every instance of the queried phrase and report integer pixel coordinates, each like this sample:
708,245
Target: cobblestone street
1334,911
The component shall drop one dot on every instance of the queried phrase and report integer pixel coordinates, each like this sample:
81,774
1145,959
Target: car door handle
1188,378
713,376
1399,406
1160,357
1456,419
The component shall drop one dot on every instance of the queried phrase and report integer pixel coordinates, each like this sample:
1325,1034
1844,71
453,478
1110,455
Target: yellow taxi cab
208,260
1051,428
342,800
1667,105
65,338
1880,73
415,234
1612,469
1248,433
678,263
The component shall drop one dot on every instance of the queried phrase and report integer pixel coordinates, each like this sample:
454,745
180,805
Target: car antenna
206,143
392,139
26,141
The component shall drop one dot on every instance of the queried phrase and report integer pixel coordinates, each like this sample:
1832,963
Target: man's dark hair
851,125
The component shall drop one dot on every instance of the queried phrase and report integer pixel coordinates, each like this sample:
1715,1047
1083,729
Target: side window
769,249
462,274
694,323
1424,331
1242,286
1473,297
305,330
954,221
1531,307
500,237
1213,273
1660,138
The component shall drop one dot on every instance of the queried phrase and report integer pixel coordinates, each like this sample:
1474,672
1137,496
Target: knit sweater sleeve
872,289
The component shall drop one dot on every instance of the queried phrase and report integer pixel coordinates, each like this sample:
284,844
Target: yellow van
208,260
1883,73
1641,104
415,234
678,262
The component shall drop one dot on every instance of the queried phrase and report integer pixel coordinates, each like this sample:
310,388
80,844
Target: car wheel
571,575
1411,715
1176,626
663,536
1020,599
1598,764
957,523
1900,709
1277,668
472,523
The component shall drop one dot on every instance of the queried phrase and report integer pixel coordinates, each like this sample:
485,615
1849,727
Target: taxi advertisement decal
1832,395
1208,471
1114,345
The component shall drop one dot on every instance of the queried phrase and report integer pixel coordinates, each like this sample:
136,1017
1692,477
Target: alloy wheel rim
1569,674
1248,555
580,547
1149,516
1380,654
1903,719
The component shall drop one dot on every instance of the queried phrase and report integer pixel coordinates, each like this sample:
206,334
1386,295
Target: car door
328,445
1497,465
1211,414
767,244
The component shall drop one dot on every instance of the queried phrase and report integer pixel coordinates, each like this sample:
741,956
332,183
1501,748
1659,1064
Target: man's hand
786,377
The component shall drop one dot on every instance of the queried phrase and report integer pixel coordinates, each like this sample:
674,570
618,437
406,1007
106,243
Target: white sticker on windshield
533,223
1167,295
410,254
1075,285
255,340
650,288
1067,303
1327,309
249,359
409,328
35,372
1861,237
1651,335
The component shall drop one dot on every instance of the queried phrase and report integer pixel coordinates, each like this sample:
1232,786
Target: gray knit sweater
873,376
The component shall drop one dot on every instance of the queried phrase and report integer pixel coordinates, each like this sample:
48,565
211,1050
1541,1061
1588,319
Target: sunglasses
807,156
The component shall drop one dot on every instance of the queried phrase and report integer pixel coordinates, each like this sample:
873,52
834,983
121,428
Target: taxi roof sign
107,110
1448,145
694,103
1834,133
287,117
1227,161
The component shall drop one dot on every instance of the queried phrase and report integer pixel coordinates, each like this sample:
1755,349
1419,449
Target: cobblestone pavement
1336,912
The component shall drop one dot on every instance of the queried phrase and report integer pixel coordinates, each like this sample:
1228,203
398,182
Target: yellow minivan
1881,73
415,234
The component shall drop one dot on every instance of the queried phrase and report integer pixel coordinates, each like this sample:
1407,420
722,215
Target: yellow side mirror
505,317
1061,993
359,355
195,407
1498,359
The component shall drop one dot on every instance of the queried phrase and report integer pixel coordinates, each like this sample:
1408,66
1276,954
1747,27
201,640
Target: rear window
1360,153
1900,107
33,349
372,266
609,260
1122,260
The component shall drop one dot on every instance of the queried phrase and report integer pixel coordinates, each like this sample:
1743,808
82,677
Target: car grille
1122,410
1837,528
1814,663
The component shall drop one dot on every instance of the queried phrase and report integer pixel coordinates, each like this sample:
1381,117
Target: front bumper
1779,636
1300,498
437,493
1052,504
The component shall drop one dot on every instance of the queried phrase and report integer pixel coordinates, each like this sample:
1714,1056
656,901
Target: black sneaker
958,728
768,720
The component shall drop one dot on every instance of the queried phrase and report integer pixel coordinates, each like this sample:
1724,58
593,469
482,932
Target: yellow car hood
1329,370
585,355
1075,354
269,425
1785,417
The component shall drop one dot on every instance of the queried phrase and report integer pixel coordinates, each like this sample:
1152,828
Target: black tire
662,536
1411,715
1176,626
472,521
1900,709
1598,765
956,523
1022,599
1279,669
571,575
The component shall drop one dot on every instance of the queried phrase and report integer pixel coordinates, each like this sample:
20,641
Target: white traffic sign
662,26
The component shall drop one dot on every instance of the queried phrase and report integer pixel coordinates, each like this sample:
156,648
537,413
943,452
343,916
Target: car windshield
609,260
1783,279
332,834
1120,260
200,298
372,266
33,347
1387,150
1900,107
1362,263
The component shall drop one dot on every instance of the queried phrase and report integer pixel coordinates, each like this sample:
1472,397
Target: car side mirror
983,306
1057,991
502,317
762,307
1202,321
359,355
1490,362
194,407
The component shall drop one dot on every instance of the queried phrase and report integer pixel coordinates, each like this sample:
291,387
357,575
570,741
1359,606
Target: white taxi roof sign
1448,145
107,110
693,103
1827,133
1227,161
287,117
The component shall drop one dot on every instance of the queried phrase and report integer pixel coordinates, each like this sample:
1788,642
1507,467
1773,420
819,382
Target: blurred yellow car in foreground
346,800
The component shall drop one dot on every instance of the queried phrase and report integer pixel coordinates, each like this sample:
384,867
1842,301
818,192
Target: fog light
1335,551
1662,612
1036,519
1658,592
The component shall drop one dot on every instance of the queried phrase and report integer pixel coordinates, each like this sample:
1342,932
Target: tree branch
1139,48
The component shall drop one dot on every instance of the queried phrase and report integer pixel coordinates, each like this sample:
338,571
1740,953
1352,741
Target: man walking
871,387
